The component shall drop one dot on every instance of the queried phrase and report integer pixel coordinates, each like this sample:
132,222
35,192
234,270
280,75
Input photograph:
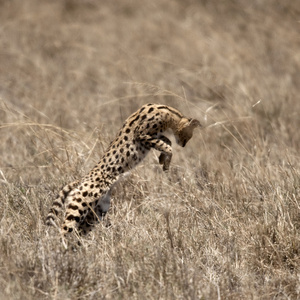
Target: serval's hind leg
95,213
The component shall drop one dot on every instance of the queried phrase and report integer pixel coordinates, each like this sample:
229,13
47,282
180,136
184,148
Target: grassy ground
224,222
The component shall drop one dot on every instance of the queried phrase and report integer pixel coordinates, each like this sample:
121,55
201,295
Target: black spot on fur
91,186
135,119
57,204
128,153
121,150
65,193
150,110
127,130
126,138
70,218
84,194
72,206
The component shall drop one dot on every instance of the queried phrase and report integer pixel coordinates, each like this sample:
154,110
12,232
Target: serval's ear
193,123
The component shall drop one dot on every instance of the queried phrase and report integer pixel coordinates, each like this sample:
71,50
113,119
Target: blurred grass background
224,223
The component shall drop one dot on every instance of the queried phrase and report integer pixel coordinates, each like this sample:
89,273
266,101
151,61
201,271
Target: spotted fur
87,200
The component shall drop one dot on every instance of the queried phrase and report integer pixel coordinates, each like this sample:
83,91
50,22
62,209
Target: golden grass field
224,222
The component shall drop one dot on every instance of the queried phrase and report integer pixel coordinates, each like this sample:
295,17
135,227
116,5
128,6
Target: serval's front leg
163,155
161,144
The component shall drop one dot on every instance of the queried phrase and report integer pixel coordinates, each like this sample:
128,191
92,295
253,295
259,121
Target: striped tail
58,203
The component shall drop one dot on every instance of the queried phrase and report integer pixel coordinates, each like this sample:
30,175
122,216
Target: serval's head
184,130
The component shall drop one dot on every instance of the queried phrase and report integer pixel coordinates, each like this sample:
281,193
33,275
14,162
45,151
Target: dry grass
224,223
